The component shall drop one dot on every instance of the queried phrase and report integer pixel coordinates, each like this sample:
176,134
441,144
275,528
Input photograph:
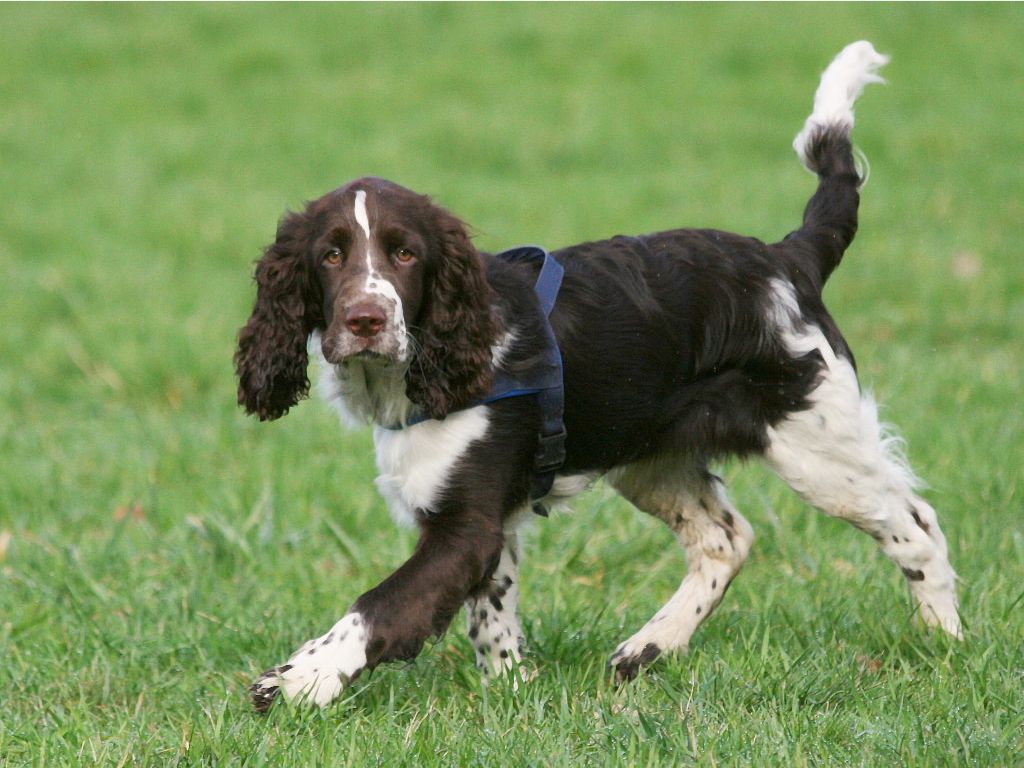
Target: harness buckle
550,453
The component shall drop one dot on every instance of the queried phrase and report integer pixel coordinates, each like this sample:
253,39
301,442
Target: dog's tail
824,147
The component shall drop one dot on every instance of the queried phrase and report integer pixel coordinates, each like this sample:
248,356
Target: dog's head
384,275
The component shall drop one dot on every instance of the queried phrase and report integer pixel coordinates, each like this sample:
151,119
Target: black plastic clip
550,454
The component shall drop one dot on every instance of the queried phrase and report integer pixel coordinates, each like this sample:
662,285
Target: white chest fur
416,462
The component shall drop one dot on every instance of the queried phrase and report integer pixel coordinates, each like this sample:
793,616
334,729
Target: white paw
943,616
319,670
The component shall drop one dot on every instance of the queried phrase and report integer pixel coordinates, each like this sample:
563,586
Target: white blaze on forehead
361,216
375,283
363,220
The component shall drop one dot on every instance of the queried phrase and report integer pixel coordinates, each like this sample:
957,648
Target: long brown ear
271,358
453,365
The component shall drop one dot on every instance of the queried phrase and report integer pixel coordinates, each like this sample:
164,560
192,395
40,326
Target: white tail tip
841,85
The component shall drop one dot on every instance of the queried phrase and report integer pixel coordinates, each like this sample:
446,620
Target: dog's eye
404,255
332,257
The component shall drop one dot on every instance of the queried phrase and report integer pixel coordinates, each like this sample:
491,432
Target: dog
677,349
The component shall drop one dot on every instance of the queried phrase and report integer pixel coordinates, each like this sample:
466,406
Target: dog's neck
366,391
373,391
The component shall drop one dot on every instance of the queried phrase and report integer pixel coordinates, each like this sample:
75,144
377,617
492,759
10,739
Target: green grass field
158,549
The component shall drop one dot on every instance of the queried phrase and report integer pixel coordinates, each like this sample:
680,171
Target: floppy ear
271,358
453,365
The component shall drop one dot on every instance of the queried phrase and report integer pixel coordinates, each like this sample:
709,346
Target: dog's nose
365,320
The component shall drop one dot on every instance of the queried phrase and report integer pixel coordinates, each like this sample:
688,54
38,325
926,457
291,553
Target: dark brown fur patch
920,523
913,574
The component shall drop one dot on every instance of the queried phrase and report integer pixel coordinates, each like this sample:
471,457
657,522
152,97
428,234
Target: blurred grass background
157,549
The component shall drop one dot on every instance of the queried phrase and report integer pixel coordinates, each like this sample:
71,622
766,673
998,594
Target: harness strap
550,392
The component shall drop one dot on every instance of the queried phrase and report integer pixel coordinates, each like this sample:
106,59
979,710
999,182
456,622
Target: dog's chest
416,463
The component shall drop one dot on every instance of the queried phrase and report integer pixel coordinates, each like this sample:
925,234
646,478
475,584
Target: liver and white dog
679,348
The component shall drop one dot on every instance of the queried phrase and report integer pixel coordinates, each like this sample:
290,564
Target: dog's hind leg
717,540
491,618
837,457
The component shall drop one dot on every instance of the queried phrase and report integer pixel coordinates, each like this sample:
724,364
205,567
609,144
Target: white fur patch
836,455
493,625
842,423
840,458
362,218
362,391
841,85
415,462
841,416
377,284
322,667
798,337
501,348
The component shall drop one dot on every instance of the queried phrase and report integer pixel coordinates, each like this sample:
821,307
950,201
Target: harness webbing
545,378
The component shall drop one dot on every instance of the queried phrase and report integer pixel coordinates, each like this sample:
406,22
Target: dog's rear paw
628,658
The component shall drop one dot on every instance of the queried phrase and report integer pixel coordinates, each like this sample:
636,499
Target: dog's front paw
265,689
320,670
310,686
629,657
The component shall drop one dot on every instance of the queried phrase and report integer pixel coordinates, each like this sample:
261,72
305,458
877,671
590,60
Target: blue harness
544,379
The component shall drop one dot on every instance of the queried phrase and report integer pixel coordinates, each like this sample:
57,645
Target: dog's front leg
456,551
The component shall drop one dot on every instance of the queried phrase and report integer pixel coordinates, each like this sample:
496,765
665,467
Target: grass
157,549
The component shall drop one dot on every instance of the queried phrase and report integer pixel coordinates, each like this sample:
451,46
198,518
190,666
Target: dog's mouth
368,354
379,350
369,357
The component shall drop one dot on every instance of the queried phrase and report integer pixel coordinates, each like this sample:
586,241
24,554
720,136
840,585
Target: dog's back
678,332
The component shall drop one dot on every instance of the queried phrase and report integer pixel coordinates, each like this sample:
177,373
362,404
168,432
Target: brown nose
365,320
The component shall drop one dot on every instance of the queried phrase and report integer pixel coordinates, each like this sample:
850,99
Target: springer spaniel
679,348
